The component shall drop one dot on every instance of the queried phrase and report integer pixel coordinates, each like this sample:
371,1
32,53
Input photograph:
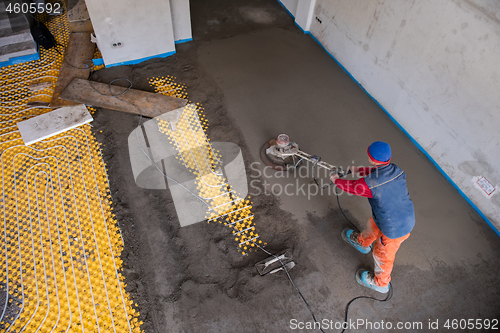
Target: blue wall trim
411,138
20,60
133,62
98,62
289,12
183,40
308,33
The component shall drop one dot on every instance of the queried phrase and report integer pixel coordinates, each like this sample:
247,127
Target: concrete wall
301,10
181,20
290,5
434,66
144,28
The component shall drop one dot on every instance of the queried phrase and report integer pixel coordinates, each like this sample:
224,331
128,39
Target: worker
393,216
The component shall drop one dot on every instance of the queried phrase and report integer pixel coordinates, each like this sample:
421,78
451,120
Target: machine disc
274,162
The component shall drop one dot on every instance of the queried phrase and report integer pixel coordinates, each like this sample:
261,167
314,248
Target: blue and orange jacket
385,188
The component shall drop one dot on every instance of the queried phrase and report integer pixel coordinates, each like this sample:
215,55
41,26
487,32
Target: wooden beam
77,57
106,96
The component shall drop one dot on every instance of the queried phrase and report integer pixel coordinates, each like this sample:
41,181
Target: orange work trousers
384,251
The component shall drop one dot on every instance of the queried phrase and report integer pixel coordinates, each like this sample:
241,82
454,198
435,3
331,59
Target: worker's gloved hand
334,177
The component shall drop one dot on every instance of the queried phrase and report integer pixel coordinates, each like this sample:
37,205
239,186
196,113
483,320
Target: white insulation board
52,123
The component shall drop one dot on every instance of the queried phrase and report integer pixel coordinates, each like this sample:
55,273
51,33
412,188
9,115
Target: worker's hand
354,169
334,177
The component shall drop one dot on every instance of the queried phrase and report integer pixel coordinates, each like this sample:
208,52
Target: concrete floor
280,81
250,62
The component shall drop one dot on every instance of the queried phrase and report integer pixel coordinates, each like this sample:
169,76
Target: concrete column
304,14
181,19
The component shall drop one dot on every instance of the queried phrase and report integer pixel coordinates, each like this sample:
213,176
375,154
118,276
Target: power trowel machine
281,154
284,155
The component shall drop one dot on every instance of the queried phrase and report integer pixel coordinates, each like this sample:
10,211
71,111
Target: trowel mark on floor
257,15
197,155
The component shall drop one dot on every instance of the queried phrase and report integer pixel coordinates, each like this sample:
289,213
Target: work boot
366,279
351,237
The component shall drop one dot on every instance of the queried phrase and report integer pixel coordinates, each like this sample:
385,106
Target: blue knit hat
380,152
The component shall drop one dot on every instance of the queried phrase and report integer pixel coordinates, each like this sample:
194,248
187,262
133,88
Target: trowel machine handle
282,152
341,173
316,160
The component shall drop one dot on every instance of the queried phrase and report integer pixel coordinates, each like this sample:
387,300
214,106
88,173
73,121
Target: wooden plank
52,123
77,57
100,94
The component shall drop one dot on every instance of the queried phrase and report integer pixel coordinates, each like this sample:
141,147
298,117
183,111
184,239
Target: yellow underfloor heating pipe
196,153
60,258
